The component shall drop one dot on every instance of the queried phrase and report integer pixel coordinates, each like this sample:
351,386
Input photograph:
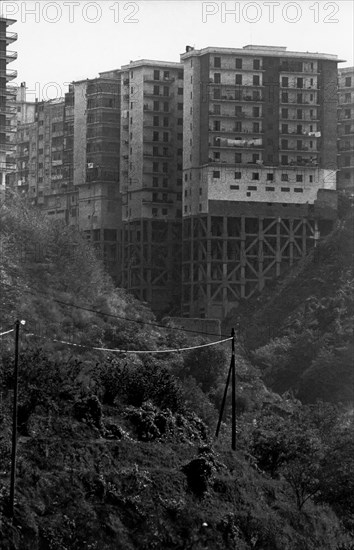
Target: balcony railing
10,37
9,75
8,55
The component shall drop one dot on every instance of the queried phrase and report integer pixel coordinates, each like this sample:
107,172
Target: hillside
116,450
299,332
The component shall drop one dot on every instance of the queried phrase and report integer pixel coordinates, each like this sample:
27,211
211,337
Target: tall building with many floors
151,181
7,100
259,178
346,130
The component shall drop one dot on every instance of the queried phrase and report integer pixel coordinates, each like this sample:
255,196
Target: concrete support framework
226,259
151,262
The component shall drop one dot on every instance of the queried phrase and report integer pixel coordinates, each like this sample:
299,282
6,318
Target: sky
62,41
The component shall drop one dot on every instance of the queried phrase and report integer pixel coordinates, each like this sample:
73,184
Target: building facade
260,166
7,101
151,181
346,130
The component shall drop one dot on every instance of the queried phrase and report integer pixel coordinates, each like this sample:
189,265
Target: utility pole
231,374
14,422
233,392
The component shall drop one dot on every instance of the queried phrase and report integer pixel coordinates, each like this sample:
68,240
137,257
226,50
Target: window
298,190
347,113
299,98
285,97
285,82
348,81
299,177
217,78
284,177
156,75
270,177
180,106
180,91
164,211
155,151
156,90
299,144
166,75
216,155
256,112
166,122
284,159
216,109
285,128
237,175
238,63
238,79
180,122
216,125
155,136
285,189
216,174
180,75
270,188
179,136
165,136
252,188
155,181
256,80
156,106
217,93
299,82
299,113
166,91
238,158
155,166
311,179
238,110
284,144
217,62
256,127
285,113
256,64
156,121
255,176
166,107
235,187
248,194
238,126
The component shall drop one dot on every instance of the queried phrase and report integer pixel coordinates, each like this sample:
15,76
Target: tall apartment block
91,163
7,97
151,181
67,160
260,166
346,130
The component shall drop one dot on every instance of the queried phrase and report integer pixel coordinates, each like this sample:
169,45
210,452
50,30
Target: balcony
9,75
10,37
163,80
8,55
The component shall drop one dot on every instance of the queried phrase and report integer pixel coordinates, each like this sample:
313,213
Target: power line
130,351
114,316
7,332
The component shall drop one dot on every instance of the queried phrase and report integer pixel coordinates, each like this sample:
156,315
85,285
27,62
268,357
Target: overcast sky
62,41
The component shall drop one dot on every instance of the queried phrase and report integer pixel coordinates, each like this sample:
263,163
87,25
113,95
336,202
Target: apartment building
91,163
7,100
260,167
67,160
346,130
151,181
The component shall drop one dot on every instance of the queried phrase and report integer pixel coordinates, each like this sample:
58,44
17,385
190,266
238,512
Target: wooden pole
14,423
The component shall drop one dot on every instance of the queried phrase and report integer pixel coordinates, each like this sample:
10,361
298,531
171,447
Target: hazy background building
7,100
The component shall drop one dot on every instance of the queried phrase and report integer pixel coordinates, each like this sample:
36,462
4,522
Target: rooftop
254,49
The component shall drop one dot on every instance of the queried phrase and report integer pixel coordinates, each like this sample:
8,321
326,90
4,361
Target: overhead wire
7,332
120,317
125,351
